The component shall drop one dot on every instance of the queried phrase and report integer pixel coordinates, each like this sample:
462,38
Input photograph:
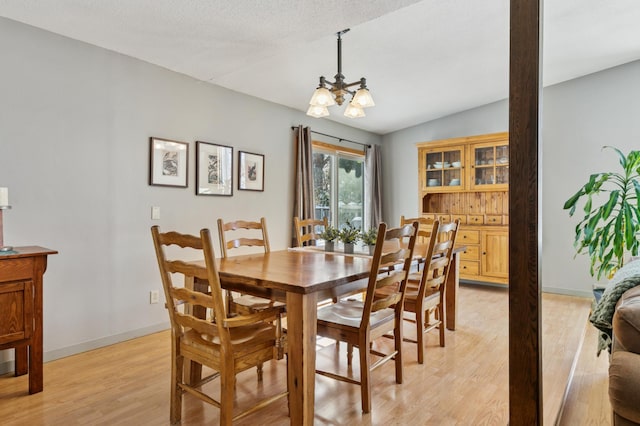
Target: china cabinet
468,179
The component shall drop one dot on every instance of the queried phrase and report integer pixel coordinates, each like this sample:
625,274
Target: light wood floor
465,383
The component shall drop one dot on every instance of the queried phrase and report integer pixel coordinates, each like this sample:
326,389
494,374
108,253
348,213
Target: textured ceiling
422,59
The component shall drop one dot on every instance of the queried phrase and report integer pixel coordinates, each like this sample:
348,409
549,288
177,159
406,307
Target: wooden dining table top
294,271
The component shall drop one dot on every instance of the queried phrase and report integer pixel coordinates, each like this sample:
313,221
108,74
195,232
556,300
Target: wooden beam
525,355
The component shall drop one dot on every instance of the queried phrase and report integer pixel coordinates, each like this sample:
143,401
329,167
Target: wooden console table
21,272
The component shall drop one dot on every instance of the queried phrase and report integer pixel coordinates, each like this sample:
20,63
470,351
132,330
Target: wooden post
525,365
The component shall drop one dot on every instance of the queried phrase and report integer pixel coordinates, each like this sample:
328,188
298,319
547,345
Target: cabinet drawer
430,216
471,253
494,219
16,300
444,218
468,236
461,217
468,267
505,219
475,219
16,269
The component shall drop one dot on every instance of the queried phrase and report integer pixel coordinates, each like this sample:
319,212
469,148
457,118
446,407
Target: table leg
301,336
452,284
36,378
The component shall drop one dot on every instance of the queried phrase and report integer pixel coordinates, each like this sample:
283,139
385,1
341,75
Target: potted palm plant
610,226
349,235
369,239
329,236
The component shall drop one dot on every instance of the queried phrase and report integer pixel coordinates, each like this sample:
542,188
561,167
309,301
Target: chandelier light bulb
317,111
353,111
322,97
363,98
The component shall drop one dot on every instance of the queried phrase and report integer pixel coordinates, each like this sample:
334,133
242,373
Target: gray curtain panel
303,175
373,186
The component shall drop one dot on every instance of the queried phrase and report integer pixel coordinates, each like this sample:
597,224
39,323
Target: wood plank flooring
465,383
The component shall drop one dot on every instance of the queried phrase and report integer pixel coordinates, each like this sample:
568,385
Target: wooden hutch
468,179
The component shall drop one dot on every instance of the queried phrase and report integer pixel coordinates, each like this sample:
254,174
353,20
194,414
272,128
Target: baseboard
8,366
568,292
545,289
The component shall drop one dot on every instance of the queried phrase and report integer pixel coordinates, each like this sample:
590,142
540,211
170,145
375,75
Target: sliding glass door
338,185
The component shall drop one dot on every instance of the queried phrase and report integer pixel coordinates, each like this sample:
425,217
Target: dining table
301,278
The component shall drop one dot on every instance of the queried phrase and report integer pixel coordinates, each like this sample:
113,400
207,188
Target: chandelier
324,97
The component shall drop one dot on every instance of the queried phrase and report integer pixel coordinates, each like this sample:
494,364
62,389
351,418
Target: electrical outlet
155,213
154,296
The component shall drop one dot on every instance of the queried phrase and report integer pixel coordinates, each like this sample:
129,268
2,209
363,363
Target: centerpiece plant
369,238
610,226
329,235
349,235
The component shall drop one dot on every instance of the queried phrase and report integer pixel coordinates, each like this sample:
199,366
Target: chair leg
177,373
227,394
259,372
349,354
397,333
420,334
441,327
365,373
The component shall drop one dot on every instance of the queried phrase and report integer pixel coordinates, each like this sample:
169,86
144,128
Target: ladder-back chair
228,345
359,323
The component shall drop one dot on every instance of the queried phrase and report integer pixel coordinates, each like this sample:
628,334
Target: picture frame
250,171
168,163
214,169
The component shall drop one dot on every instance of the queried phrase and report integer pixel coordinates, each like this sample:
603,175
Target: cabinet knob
484,252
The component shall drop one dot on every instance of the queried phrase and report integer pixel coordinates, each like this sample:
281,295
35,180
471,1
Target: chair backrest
176,296
439,254
306,230
394,280
241,239
424,227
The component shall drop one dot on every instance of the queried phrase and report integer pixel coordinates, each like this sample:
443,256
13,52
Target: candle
4,196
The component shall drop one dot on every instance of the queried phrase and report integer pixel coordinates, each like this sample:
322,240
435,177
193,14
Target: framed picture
250,171
214,169
168,162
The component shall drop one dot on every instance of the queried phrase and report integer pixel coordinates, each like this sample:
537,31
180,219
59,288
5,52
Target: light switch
155,213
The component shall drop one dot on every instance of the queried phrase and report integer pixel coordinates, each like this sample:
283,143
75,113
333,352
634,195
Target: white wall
579,117
75,121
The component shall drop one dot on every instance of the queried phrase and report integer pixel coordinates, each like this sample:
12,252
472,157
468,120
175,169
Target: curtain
303,175
373,186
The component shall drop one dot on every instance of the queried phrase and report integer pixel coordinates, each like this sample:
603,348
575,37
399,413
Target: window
338,185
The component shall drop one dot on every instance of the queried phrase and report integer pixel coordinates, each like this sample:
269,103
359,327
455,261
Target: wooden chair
248,234
306,230
359,323
425,294
227,345
424,227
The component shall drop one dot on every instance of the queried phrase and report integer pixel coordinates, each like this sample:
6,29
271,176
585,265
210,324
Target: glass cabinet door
443,169
491,166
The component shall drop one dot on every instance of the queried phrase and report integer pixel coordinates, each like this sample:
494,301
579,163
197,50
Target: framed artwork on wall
250,171
168,162
214,169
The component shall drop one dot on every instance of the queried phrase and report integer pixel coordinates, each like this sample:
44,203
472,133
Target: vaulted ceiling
422,59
